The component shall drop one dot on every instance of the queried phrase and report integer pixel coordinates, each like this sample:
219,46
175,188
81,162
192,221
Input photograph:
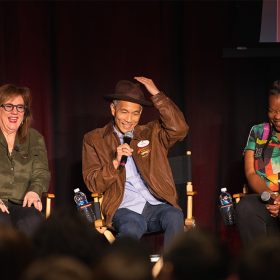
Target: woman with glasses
24,172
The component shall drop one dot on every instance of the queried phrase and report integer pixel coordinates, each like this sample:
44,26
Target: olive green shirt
25,169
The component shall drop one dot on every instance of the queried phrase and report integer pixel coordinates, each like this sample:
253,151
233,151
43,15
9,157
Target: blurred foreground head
261,259
66,233
126,259
59,267
15,252
195,255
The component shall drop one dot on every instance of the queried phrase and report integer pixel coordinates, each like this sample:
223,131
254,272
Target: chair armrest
99,223
49,197
238,196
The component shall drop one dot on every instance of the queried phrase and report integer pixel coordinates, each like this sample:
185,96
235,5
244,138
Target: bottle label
85,205
227,205
225,199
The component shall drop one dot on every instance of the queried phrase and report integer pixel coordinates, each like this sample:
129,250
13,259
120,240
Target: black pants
254,220
25,219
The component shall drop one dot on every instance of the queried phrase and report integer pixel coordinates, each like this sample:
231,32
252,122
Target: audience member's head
15,252
126,259
261,259
67,233
59,267
195,255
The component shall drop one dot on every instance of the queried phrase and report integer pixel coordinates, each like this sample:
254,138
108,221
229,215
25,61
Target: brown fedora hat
128,91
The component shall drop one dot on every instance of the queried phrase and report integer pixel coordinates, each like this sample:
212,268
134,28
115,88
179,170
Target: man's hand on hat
149,84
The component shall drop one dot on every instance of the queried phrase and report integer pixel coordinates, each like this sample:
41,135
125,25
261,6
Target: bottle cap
223,189
76,190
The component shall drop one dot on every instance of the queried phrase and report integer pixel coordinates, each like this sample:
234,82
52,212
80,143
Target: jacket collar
2,139
4,143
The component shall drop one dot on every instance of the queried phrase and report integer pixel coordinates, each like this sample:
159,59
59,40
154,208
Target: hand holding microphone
123,151
126,139
272,201
268,197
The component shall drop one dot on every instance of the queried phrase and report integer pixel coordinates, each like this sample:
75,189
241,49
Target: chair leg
109,236
49,198
190,221
107,233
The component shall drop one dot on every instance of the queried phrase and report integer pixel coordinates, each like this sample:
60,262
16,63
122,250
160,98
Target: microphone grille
265,196
128,134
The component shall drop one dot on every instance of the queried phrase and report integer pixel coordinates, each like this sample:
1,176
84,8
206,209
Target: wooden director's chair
99,222
47,199
238,196
182,175
181,169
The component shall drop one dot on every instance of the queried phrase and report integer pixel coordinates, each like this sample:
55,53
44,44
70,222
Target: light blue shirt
136,192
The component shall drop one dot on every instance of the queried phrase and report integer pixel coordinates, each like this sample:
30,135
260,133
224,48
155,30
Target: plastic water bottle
226,207
80,198
84,207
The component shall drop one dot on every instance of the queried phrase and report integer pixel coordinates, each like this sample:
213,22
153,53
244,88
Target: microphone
268,197
126,138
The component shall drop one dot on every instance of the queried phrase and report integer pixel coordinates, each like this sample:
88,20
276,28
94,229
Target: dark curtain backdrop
71,53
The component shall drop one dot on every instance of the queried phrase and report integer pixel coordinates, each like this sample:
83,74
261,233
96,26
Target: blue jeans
162,217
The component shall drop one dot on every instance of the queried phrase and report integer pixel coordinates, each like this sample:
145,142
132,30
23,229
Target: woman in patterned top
262,169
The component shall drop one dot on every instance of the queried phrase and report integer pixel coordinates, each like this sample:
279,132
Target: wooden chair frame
48,203
238,196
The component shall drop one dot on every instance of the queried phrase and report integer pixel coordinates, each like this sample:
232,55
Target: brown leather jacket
99,149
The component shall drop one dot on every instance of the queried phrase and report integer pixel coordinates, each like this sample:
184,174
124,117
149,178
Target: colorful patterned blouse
267,166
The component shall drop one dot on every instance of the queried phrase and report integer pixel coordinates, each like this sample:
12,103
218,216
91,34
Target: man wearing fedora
134,175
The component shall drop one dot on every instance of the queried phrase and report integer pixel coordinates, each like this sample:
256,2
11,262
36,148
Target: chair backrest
181,168
182,174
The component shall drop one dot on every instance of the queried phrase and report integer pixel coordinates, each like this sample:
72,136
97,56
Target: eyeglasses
10,107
